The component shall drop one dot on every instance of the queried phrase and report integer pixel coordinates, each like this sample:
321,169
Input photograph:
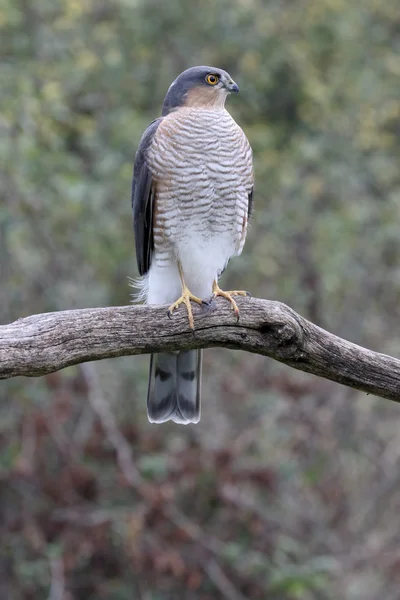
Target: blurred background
289,487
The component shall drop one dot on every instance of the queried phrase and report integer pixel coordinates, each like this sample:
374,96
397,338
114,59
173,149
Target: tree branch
40,344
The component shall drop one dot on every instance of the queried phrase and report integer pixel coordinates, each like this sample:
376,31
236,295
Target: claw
229,296
186,298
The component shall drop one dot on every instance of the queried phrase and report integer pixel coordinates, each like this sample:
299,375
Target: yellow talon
228,295
186,298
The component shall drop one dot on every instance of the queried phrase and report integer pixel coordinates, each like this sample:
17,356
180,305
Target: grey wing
250,204
143,201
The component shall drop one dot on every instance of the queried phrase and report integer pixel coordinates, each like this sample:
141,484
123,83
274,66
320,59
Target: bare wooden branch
40,344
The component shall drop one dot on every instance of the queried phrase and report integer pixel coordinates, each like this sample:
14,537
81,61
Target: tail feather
174,387
189,384
162,385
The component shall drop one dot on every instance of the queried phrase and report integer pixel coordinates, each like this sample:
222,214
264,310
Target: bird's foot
229,296
186,298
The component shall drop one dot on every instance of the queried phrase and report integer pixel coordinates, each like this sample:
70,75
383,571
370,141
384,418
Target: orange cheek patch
204,97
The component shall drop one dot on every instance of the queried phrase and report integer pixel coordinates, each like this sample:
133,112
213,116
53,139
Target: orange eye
212,79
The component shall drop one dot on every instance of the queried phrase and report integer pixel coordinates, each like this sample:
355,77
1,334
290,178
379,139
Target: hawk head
201,87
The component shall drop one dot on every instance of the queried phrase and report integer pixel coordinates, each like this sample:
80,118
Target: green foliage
290,473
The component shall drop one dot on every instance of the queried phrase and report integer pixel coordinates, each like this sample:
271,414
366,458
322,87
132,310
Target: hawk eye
212,79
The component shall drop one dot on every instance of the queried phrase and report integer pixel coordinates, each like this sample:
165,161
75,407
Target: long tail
174,387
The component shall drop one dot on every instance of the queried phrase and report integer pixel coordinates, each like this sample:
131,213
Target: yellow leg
228,295
186,298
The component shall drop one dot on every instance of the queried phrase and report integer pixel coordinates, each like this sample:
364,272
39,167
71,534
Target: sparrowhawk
191,198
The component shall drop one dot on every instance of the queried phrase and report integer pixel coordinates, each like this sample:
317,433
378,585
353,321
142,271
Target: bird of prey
191,198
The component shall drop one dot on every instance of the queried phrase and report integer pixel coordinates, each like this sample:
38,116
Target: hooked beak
233,87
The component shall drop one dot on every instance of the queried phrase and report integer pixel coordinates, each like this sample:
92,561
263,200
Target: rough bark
43,343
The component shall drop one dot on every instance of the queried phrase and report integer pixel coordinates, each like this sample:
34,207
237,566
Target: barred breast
201,163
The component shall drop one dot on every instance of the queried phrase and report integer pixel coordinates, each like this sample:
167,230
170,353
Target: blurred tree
304,503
